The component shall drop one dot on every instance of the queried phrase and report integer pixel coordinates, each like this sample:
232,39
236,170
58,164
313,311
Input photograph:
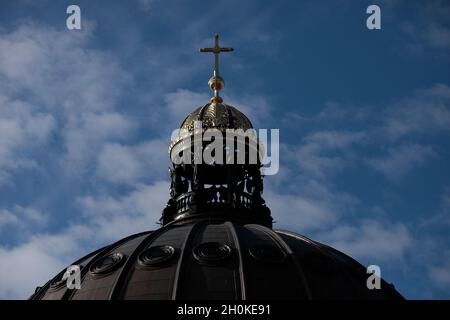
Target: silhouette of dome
216,240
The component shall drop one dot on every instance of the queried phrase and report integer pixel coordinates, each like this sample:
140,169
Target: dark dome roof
217,115
217,259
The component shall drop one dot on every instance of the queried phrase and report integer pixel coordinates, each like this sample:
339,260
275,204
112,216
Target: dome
217,259
216,239
218,116
221,116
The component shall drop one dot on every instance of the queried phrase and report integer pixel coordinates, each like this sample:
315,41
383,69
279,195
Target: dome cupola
229,184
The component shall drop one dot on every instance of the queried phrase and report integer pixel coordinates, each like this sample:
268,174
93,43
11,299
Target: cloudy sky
364,119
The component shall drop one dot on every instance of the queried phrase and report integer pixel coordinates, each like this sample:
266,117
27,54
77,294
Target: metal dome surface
218,260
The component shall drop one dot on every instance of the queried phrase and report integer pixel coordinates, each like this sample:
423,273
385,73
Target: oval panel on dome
265,253
58,282
105,265
156,256
211,252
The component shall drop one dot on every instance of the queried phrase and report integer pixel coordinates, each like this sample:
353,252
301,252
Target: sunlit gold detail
216,83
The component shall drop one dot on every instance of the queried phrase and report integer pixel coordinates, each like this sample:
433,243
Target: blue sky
364,119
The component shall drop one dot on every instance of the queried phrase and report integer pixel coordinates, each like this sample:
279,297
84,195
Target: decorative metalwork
241,197
216,188
213,116
216,83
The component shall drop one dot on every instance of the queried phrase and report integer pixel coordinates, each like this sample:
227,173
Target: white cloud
19,216
255,107
299,212
7,218
401,160
35,261
324,152
181,103
72,88
429,32
56,67
53,88
25,267
125,164
440,273
22,130
424,112
86,134
312,205
440,220
427,112
370,239
334,139
135,211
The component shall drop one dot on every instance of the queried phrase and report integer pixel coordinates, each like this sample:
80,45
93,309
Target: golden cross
216,82
216,50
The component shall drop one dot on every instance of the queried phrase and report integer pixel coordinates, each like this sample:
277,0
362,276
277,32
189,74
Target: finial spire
216,82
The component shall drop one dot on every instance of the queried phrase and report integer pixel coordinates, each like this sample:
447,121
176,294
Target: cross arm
216,50
226,49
